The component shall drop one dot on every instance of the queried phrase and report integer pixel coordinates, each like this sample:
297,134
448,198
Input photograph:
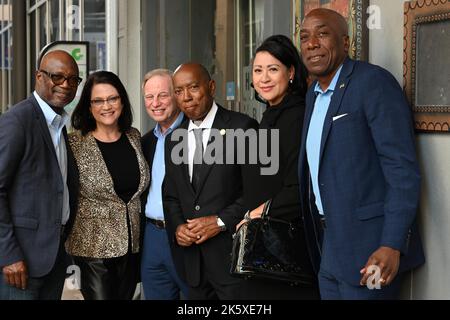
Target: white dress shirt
56,123
206,125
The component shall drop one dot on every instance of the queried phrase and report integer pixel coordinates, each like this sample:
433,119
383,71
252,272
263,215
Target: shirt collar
332,86
208,121
51,117
174,125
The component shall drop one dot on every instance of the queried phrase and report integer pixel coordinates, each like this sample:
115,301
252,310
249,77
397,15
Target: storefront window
73,20
251,35
54,20
32,44
77,20
257,20
192,30
42,35
252,15
5,55
95,32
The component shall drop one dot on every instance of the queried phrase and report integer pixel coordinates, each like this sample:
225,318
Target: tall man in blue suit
357,168
38,185
160,278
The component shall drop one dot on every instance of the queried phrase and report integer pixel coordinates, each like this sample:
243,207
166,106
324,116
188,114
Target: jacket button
197,208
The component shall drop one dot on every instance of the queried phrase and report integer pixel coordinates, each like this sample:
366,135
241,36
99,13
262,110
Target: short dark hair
282,48
82,118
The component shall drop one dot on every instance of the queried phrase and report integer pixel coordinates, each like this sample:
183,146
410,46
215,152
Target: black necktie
198,158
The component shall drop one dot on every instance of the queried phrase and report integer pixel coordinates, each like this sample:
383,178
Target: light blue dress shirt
154,206
55,124
314,138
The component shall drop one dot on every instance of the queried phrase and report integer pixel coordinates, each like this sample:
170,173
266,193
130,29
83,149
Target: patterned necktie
198,158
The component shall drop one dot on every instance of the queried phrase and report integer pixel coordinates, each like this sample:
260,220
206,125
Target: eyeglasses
112,101
59,79
163,97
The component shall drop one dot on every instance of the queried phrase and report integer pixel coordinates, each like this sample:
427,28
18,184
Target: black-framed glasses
59,79
112,101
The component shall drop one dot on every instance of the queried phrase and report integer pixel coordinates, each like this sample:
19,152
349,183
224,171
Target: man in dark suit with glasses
38,184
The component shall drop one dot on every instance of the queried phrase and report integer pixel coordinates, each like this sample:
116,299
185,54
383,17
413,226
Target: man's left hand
388,260
205,227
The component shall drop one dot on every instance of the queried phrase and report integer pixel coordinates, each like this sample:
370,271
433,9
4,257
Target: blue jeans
159,276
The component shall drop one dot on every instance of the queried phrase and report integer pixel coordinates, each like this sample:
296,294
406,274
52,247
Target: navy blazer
31,189
369,178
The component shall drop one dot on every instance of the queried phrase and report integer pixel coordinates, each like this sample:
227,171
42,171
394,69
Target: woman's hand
255,213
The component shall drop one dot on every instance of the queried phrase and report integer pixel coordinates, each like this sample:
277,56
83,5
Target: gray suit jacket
31,190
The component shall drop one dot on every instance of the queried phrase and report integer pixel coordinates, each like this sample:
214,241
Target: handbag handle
266,208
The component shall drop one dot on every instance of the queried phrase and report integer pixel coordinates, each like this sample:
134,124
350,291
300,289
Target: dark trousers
49,287
266,289
159,276
211,288
108,279
333,289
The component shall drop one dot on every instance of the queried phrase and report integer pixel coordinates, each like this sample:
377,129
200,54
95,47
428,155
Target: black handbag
271,248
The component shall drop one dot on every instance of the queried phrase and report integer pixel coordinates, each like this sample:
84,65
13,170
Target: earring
291,81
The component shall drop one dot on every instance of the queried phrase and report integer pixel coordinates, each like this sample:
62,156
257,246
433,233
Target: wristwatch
221,224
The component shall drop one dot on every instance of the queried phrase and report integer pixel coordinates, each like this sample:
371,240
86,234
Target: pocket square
340,116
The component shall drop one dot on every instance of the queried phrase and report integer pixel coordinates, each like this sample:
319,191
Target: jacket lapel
44,128
335,104
220,122
72,181
185,165
133,138
149,152
310,101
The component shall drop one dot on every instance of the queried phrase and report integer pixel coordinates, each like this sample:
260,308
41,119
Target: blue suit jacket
31,190
369,178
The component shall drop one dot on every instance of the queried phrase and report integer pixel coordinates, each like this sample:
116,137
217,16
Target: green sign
76,54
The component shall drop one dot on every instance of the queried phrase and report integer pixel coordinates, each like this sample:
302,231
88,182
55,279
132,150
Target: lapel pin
223,132
342,86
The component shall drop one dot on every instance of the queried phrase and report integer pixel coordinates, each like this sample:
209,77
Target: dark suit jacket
220,193
368,177
31,189
149,142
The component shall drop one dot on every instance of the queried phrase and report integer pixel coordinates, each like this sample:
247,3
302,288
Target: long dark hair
82,118
282,48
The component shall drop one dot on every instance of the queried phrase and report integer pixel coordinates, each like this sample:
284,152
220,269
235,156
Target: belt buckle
161,224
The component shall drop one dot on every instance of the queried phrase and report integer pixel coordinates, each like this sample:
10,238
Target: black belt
160,224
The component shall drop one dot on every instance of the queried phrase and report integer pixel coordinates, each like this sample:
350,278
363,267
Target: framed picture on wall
426,67
355,13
